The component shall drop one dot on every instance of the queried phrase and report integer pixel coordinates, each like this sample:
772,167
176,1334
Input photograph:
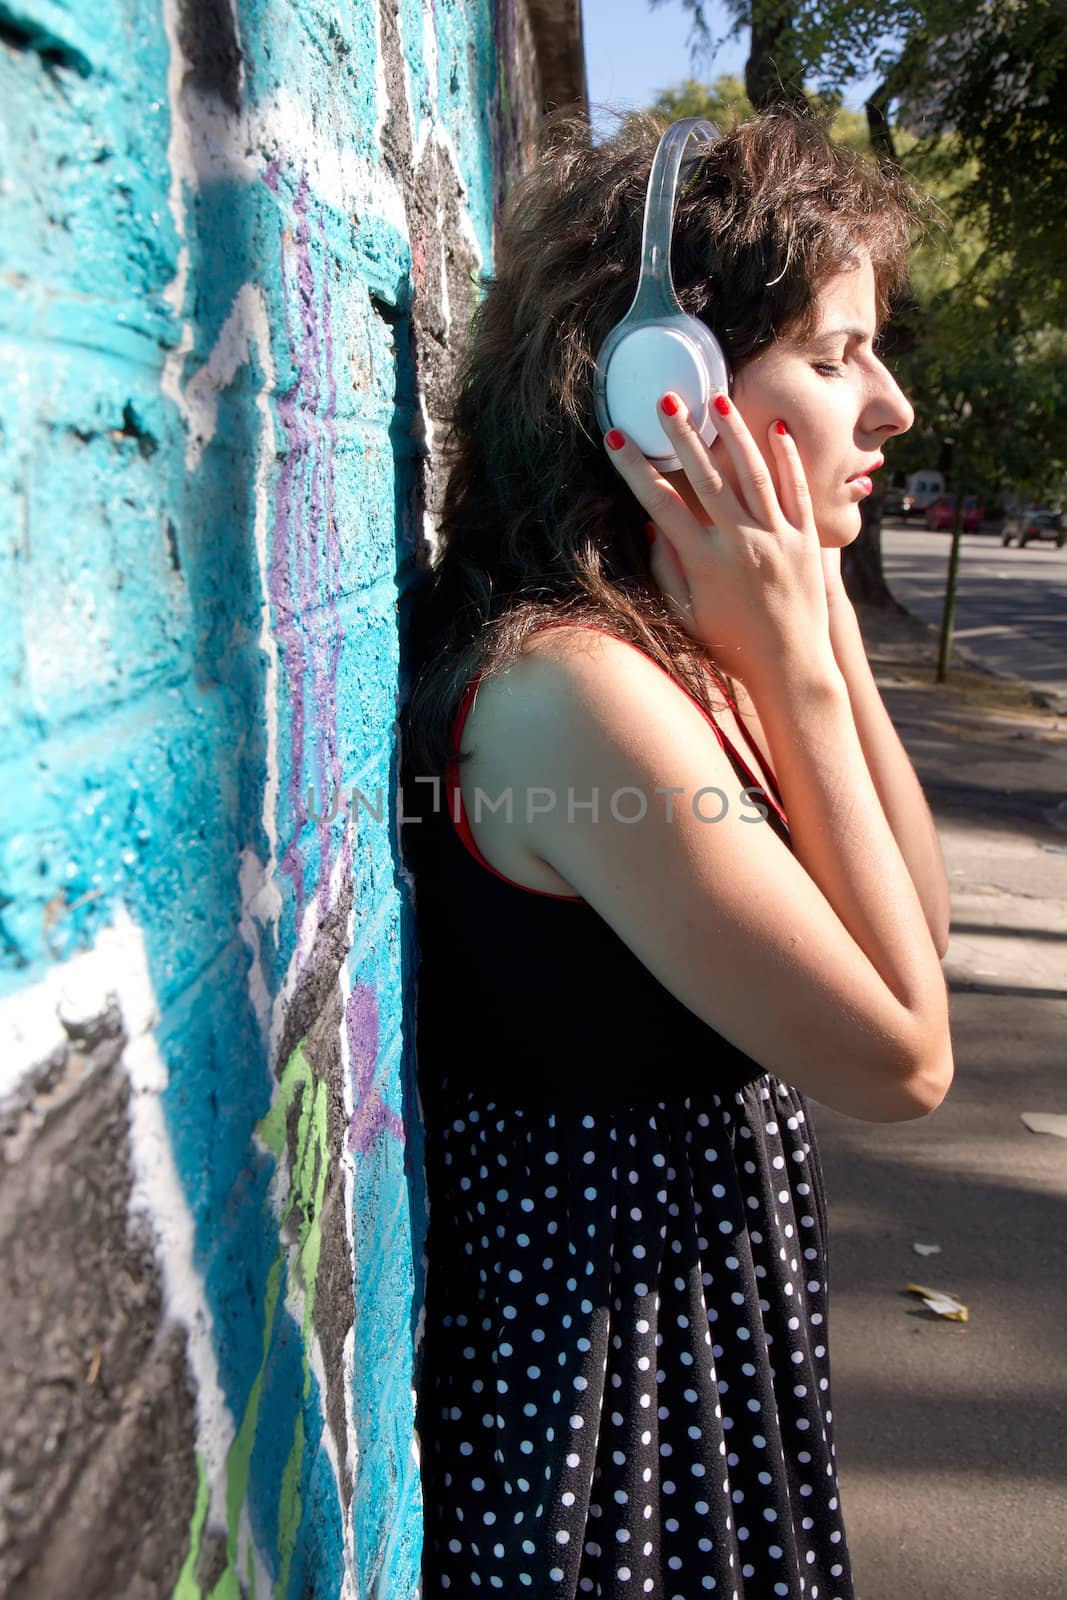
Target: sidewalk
950,1444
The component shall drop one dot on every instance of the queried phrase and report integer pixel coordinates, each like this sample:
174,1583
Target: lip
879,461
862,483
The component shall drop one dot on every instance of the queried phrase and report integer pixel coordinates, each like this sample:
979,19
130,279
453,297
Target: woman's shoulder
535,730
590,665
561,637
564,686
555,662
568,642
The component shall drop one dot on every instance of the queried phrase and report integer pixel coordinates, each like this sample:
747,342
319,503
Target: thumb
667,569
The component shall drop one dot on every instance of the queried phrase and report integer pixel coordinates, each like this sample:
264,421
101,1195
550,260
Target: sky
632,52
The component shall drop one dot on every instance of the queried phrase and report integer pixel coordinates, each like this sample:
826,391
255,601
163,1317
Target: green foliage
720,101
996,392
726,99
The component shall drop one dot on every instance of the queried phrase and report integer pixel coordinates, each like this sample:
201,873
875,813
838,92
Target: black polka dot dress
624,1387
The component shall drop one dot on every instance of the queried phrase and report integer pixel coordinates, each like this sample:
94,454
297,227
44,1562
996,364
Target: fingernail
780,427
669,404
614,440
650,529
722,405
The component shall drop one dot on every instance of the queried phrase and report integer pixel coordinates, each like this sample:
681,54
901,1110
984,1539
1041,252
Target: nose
888,409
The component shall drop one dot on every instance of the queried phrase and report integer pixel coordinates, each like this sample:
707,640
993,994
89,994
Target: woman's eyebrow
841,333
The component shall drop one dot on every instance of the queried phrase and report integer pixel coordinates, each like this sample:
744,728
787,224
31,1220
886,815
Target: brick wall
238,245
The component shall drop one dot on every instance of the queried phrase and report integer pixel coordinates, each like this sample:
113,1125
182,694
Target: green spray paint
309,1169
187,1587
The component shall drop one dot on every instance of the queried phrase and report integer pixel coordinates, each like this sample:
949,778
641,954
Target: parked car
942,514
920,492
1036,522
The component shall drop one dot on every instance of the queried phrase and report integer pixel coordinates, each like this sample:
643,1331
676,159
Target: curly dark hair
535,521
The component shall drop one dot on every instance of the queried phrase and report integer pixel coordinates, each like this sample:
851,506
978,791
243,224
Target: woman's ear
668,573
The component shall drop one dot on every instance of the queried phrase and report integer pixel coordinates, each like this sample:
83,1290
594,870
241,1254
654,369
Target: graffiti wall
240,243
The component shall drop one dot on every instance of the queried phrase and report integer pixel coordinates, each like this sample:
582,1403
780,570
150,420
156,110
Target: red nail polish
780,427
669,404
650,529
722,405
614,440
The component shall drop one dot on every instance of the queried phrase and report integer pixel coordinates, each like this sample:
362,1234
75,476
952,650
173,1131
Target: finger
793,491
708,483
754,479
660,499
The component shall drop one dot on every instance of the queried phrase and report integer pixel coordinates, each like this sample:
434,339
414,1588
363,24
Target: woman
680,877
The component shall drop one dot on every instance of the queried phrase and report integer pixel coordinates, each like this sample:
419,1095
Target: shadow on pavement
950,1445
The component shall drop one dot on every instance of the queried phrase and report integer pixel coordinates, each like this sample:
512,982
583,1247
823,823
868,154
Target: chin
836,532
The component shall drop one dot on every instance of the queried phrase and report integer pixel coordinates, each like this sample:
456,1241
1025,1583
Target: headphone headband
655,295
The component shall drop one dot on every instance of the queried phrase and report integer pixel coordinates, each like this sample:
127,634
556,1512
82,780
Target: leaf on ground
943,1304
1045,1122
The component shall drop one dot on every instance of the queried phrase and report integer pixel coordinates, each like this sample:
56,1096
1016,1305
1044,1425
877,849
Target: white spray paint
247,327
115,971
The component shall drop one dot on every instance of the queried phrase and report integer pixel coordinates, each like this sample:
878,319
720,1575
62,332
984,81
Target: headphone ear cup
678,353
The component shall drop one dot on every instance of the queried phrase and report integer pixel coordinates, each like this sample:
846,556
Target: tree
986,77
719,102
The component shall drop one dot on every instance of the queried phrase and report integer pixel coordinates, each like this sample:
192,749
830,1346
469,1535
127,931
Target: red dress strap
454,795
732,702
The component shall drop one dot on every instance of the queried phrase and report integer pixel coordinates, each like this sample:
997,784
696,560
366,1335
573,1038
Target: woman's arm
894,776
892,773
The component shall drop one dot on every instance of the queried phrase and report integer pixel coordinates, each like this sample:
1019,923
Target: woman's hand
751,586
670,574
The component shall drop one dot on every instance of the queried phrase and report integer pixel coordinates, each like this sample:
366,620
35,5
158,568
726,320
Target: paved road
1011,605
951,1448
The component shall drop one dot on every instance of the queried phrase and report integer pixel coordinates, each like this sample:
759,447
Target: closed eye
829,369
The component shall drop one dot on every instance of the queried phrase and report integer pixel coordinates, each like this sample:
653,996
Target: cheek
813,457
821,451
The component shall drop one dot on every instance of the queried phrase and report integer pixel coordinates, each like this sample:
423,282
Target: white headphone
657,347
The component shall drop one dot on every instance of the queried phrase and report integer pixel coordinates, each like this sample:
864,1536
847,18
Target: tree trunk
861,561
774,72
878,129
